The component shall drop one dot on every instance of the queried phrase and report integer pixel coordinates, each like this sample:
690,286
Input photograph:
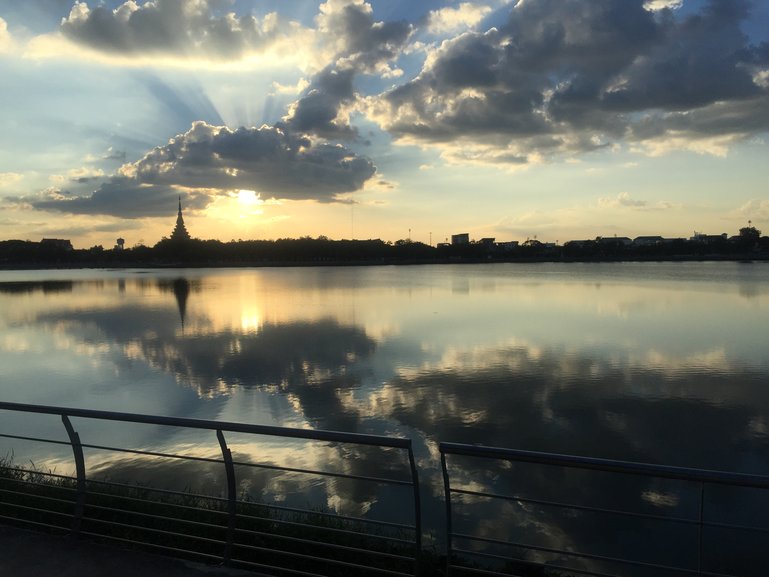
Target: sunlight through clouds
115,108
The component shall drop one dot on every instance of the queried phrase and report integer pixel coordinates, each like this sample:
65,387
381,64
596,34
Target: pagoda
180,231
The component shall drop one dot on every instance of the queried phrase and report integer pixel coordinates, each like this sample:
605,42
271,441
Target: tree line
322,250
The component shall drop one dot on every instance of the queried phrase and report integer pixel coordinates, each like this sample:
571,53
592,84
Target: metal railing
683,521
231,527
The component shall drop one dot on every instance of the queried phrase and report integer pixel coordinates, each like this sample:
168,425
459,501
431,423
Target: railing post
447,500
417,511
77,450
700,525
229,467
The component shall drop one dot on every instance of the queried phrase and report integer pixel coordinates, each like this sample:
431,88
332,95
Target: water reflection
46,287
285,357
640,363
181,288
559,401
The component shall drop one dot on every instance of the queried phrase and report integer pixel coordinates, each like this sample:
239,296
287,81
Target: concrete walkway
32,554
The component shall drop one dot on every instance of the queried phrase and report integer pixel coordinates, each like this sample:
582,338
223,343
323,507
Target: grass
193,526
197,526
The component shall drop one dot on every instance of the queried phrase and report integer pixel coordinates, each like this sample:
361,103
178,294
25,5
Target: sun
249,198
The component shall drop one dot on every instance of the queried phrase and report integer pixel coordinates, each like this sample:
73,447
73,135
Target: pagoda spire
180,231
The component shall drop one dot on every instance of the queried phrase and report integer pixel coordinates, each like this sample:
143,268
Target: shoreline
741,258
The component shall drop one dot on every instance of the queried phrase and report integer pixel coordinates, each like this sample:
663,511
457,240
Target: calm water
654,362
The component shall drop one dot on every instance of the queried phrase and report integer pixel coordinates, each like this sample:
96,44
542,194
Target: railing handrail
698,478
608,465
269,430
229,542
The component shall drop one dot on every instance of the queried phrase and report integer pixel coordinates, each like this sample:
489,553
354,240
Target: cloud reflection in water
627,367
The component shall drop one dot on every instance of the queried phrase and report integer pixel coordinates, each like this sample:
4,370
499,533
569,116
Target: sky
391,119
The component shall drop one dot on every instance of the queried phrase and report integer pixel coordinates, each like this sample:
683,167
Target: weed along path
32,554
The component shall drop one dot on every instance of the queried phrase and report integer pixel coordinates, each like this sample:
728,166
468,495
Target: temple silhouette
180,233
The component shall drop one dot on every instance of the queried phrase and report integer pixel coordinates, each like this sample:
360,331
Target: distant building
614,240
708,238
578,243
461,238
120,245
655,241
648,240
59,243
180,231
507,246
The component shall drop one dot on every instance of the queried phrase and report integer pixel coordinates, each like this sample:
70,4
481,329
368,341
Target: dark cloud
361,46
121,197
362,42
701,61
270,160
318,110
209,160
179,28
114,154
570,76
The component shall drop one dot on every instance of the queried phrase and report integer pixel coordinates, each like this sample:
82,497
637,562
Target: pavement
26,553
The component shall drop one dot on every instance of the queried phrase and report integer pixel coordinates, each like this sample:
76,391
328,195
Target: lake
654,362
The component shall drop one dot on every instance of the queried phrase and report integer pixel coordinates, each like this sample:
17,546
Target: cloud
357,40
624,201
662,4
9,178
449,19
321,108
80,175
114,154
207,161
563,77
70,230
179,28
754,210
120,197
356,44
6,40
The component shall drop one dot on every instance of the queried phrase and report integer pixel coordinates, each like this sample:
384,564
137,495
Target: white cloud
660,4
297,88
755,210
9,178
623,199
80,175
672,142
761,78
6,40
449,19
